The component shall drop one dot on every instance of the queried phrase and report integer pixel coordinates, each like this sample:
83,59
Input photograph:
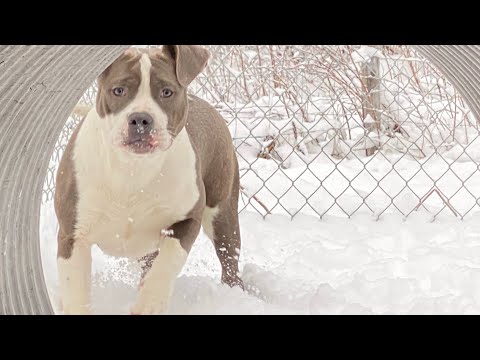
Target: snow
311,266
355,244
365,53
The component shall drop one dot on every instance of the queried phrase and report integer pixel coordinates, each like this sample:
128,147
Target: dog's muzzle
140,127
141,134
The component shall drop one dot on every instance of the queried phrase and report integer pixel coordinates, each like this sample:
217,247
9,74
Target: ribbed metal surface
39,85
461,65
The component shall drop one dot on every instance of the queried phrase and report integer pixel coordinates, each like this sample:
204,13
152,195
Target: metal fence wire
338,130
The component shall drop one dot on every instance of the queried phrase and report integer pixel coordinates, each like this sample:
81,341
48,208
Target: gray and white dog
146,168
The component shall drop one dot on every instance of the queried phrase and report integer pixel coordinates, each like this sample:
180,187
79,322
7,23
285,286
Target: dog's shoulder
201,110
213,142
205,123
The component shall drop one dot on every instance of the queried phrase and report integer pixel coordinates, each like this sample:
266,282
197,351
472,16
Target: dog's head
142,96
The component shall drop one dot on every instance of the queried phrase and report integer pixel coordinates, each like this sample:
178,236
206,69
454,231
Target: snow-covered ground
377,262
308,266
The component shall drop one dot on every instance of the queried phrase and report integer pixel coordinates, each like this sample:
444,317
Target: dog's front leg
74,271
158,284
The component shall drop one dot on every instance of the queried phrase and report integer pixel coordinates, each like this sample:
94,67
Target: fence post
370,72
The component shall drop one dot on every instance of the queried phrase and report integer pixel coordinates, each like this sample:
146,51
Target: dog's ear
190,60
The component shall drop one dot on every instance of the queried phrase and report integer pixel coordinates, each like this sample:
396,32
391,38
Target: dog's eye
166,93
119,91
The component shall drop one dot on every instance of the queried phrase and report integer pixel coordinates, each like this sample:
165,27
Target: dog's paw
150,302
233,281
76,310
149,307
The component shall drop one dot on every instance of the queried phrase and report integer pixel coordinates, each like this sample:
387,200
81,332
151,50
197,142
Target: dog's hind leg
222,227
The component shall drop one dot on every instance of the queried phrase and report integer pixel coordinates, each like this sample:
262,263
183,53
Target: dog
145,169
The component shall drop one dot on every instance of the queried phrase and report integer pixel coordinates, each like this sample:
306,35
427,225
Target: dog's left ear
190,60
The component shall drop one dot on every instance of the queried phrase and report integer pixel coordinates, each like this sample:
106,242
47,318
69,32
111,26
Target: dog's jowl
145,169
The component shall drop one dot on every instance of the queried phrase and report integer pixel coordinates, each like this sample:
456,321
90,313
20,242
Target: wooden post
370,72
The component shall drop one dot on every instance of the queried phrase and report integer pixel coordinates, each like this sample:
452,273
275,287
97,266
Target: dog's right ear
190,60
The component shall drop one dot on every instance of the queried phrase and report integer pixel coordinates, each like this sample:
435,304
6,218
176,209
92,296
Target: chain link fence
338,130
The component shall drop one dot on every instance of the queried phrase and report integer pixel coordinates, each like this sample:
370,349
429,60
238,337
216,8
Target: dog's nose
140,123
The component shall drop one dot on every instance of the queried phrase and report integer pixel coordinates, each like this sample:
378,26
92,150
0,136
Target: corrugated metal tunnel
39,85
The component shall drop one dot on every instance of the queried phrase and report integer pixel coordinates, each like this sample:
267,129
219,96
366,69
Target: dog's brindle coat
121,193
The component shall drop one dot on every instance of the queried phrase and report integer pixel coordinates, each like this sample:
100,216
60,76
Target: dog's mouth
147,144
141,145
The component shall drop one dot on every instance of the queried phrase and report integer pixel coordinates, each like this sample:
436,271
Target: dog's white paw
150,302
76,310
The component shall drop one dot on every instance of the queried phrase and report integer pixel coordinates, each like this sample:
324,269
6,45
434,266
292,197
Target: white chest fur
126,200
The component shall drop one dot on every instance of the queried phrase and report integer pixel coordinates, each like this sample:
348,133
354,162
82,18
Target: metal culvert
39,85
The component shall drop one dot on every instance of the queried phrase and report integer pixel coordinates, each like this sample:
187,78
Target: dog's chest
130,224
124,213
